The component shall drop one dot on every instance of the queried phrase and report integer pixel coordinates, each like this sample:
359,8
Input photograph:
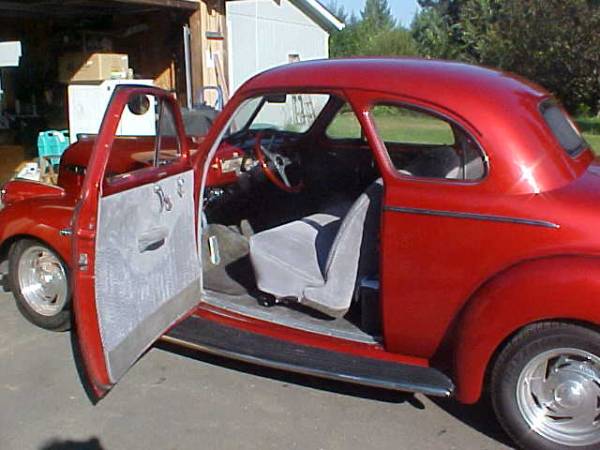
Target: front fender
561,287
39,218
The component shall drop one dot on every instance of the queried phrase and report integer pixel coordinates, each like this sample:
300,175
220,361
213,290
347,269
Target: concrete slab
181,400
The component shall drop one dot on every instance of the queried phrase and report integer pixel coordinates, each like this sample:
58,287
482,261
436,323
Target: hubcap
558,395
42,281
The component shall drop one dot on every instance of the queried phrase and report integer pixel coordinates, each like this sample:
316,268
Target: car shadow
286,377
61,444
479,417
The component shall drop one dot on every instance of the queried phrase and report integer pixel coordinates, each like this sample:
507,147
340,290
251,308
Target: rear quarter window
563,128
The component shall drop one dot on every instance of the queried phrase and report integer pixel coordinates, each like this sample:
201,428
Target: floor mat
233,272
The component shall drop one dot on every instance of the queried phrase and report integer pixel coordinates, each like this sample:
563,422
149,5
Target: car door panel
147,271
137,266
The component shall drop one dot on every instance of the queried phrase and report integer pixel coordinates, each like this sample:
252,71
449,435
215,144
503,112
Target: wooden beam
179,4
197,53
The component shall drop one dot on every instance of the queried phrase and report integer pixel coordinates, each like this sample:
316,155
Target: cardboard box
78,67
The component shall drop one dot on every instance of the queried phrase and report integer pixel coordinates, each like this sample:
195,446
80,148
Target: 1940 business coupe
413,225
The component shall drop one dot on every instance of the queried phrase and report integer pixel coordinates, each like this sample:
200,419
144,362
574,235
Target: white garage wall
263,34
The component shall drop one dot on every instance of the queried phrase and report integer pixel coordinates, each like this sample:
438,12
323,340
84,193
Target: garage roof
317,12
88,8
320,14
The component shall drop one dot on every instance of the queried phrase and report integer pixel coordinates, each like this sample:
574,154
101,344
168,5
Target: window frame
119,181
455,125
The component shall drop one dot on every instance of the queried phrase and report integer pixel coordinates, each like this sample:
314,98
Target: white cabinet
88,102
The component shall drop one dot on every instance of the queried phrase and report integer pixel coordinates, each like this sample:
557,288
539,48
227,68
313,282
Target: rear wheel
39,280
545,387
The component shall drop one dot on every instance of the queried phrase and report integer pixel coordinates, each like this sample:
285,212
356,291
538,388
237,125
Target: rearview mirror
276,98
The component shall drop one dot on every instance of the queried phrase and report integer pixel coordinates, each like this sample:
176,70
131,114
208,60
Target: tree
338,10
376,16
432,35
553,42
347,41
374,34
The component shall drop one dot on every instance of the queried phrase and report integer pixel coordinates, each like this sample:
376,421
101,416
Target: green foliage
433,37
554,42
376,16
374,34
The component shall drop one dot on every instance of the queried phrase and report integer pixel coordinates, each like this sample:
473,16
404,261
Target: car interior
292,207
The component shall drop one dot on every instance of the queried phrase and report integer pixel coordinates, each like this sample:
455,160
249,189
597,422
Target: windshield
284,112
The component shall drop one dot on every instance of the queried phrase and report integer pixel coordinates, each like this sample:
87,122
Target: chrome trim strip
472,216
377,383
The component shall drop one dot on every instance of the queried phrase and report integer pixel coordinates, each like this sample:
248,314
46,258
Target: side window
345,125
423,145
146,138
563,128
167,142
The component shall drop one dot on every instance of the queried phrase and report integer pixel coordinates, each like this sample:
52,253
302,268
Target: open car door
136,266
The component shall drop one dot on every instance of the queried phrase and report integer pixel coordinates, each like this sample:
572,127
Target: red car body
464,265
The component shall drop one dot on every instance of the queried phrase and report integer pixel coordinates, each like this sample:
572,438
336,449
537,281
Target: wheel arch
551,289
8,242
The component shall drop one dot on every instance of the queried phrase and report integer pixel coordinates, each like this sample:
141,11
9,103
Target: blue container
52,144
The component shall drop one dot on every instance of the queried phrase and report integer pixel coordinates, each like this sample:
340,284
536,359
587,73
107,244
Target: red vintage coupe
412,225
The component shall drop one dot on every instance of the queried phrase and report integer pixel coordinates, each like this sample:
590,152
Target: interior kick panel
211,337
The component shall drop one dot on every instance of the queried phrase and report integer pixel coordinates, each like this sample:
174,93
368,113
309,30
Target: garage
69,42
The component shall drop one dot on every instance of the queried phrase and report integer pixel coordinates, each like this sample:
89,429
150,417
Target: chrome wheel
558,395
42,280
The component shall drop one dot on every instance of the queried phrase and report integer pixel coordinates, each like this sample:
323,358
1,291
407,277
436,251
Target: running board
210,337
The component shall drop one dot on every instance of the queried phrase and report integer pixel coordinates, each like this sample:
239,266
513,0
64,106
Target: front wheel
39,280
545,387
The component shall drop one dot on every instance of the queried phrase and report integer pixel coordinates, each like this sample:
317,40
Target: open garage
70,42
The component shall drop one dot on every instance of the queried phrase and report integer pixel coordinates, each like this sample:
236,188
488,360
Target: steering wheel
267,158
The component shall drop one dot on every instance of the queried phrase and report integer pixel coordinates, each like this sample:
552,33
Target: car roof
501,109
422,78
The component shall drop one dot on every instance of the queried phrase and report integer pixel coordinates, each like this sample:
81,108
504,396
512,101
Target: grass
590,126
395,128
412,128
594,141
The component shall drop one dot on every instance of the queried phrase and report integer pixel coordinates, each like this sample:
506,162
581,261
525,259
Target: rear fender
555,288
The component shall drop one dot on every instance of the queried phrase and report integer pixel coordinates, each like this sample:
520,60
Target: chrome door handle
165,202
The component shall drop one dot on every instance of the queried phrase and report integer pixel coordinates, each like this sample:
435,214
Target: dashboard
235,156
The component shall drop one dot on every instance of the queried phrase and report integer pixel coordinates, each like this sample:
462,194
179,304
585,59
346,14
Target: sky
403,10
